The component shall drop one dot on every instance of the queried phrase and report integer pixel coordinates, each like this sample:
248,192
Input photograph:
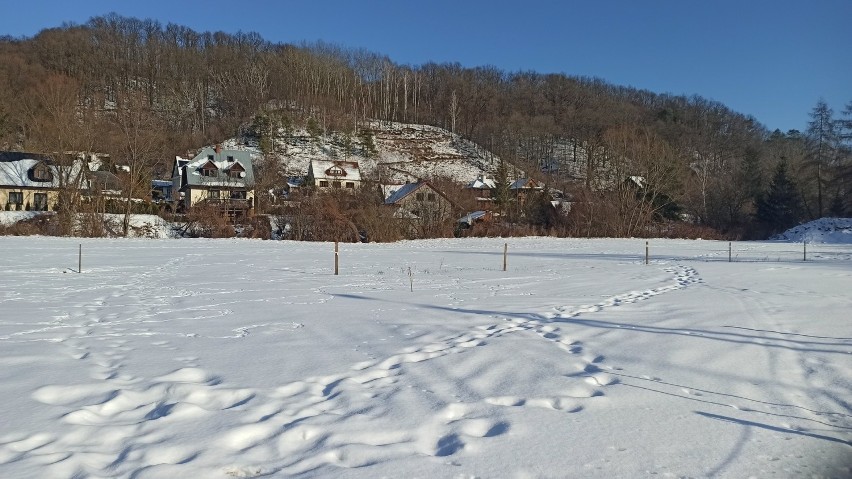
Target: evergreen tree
823,142
501,187
368,145
780,208
845,126
314,131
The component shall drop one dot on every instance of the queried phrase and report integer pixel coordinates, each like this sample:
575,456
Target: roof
223,165
326,169
105,180
482,183
637,180
16,166
470,218
525,183
402,192
408,189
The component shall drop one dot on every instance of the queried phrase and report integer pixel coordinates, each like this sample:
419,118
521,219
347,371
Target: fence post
729,251
804,250
80,259
646,252
336,258
505,253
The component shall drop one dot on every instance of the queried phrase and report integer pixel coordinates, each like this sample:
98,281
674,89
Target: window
214,194
323,184
238,195
40,201
210,157
16,198
233,173
419,196
350,185
335,171
41,172
230,159
211,172
430,197
335,184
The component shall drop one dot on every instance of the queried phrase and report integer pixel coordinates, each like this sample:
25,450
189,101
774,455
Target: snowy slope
823,230
244,358
405,152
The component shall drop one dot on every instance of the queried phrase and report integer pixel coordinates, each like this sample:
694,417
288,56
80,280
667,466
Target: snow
823,230
248,358
406,152
145,226
8,218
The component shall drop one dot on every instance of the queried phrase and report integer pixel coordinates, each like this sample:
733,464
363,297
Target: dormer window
41,172
237,171
335,171
209,170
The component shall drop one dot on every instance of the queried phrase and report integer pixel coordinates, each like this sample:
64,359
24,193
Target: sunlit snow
249,358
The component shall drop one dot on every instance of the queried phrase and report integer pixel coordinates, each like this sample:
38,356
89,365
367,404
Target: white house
330,174
31,181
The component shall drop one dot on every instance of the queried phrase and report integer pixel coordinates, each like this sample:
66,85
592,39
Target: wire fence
752,252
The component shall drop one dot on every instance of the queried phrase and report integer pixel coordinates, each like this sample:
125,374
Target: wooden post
336,259
646,252
80,259
729,251
505,254
804,250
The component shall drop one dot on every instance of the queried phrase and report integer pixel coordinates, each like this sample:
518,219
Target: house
330,174
224,178
31,181
161,191
420,201
522,188
105,183
482,190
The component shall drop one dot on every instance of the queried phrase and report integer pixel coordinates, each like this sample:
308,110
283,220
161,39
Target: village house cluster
225,179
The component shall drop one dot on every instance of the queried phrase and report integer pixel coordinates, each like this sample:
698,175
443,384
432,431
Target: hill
391,152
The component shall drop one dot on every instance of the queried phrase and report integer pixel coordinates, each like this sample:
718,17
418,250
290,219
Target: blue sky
772,59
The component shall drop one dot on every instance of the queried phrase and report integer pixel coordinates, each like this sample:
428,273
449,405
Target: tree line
143,92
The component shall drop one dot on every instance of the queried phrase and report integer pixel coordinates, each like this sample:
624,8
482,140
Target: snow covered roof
471,218
334,170
526,183
224,163
637,180
19,169
482,183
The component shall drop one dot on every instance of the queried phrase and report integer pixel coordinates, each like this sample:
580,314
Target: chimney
218,148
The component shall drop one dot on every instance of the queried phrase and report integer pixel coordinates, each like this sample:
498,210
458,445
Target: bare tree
136,143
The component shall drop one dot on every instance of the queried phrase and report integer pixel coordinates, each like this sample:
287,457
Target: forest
144,92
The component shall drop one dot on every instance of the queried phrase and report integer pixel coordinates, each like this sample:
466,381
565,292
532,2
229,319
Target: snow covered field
243,358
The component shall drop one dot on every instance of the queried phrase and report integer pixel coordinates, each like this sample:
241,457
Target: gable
224,168
334,170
